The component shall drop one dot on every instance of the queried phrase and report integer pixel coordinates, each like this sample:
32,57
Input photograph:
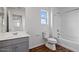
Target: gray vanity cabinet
21,47
15,45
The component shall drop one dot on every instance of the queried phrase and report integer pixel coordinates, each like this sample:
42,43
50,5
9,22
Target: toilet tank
45,35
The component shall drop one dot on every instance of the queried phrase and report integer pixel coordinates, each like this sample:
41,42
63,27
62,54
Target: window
43,16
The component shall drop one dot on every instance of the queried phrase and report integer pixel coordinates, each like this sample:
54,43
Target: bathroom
39,29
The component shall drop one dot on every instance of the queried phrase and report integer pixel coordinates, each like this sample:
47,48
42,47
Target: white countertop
12,35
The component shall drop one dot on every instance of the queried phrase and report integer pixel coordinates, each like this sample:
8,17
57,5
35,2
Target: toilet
49,41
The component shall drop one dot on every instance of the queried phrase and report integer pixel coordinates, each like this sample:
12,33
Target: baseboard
36,45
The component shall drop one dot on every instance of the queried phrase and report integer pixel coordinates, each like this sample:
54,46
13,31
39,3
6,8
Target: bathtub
69,44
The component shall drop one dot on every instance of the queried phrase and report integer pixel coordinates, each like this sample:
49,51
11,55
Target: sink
11,35
15,33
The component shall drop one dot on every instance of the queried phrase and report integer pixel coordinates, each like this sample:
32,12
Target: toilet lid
51,39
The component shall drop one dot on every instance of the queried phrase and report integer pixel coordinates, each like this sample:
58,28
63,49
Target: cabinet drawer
22,47
6,49
13,41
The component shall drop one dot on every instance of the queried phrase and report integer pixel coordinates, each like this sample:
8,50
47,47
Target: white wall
34,27
67,22
56,22
70,23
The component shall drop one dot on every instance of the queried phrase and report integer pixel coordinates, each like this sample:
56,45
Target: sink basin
15,33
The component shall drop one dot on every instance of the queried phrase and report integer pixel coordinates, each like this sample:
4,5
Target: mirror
12,19
1,23
17,23
2,20
16,18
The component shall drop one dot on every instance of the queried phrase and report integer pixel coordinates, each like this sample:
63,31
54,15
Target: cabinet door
6,49
22,47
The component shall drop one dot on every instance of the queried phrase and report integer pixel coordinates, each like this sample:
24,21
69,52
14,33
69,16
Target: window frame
46,16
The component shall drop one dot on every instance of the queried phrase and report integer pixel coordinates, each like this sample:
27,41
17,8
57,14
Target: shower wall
66,20
69,26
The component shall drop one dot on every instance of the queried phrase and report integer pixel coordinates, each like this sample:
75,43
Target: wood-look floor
43,48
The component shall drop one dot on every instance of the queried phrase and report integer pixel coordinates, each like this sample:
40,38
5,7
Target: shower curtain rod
72,10
59,13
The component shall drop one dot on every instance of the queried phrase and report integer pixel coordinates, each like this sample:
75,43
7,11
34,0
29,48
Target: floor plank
43,48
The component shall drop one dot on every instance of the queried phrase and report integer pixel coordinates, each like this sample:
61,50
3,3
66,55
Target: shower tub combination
69,44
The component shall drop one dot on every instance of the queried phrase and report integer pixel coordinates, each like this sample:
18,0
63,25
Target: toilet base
51,46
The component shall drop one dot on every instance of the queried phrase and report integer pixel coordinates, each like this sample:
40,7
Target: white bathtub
69,44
